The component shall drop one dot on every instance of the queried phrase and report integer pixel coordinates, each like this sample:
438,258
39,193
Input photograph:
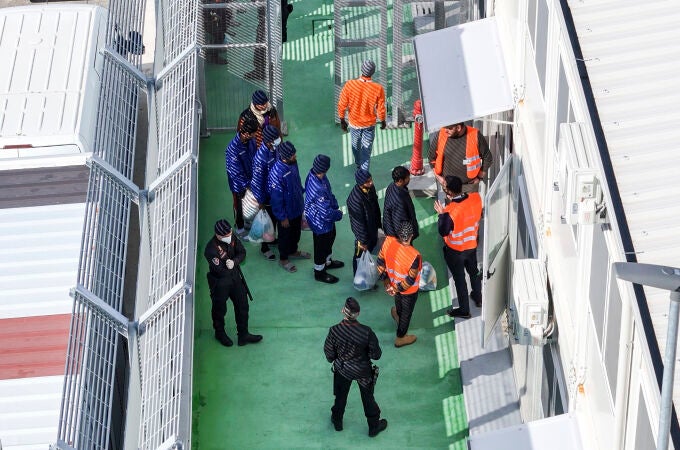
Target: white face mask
226,239
277,141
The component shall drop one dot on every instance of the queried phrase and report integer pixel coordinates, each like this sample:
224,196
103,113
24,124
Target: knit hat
351,309
405,231
361,176
222,227
454,184
286,150
270,133
260,98
321,164
368,68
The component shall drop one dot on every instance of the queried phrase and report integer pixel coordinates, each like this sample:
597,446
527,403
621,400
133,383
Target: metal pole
668,373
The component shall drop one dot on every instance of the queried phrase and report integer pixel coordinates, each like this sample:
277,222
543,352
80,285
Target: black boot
223,338
374,430
325,277
337,423
249,339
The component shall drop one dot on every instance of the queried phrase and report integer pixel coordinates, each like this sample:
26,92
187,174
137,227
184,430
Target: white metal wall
597,332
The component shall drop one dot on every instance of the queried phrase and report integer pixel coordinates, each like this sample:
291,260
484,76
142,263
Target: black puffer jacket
364,215
351,346
398,208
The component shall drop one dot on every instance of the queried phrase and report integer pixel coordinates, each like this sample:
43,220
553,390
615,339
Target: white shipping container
50,83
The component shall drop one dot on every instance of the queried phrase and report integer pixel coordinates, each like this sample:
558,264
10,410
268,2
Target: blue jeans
362,145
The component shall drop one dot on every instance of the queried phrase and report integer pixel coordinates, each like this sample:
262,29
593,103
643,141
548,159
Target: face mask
277,141
226,239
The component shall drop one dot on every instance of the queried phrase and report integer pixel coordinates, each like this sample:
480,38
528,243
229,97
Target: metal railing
128,371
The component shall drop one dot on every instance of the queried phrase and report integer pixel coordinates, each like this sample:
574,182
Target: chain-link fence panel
241,43
360,29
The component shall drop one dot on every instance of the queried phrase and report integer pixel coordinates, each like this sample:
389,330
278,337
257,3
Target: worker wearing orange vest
365,101
399,265
461,151
459,225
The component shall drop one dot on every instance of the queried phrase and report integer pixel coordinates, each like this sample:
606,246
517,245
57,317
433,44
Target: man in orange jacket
365,101
399,266
461,151
458,224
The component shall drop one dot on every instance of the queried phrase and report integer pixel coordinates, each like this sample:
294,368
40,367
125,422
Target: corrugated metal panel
632,52
40,247
39,253
46,54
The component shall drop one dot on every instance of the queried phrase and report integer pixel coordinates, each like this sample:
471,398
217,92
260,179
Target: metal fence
128,372
242,42
360,30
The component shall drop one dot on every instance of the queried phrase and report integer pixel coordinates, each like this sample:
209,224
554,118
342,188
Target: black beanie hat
286,150
361,176
260,98
321,164
270,133
222,227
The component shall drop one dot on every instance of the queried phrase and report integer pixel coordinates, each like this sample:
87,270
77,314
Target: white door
496,250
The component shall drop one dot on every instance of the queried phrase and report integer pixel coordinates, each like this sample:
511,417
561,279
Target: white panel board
556,433
461,73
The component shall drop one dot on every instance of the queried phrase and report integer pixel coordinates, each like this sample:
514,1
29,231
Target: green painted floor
278,394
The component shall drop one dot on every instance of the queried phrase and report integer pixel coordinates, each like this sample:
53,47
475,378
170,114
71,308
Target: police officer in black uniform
350,347
224,253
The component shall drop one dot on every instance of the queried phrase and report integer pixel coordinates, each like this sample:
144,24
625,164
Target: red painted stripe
33,346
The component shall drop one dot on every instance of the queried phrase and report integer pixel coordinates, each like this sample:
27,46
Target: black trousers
323,246
238,210
459,263
405,305
289,237
341,387
220,291
264,246
357,255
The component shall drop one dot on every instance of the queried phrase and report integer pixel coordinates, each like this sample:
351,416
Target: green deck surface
277,394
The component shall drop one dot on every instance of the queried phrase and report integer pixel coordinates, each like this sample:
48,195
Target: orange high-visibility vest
465,216
472,159
398,261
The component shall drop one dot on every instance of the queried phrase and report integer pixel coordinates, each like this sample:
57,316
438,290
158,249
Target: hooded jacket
321,206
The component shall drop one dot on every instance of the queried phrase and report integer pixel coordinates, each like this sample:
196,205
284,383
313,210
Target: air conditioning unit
575,178
529,314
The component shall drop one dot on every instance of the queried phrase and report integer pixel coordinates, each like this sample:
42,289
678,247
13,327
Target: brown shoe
395,316
407,339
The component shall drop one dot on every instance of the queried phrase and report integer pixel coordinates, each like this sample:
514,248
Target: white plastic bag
428,278
262,229
367,273
250,206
